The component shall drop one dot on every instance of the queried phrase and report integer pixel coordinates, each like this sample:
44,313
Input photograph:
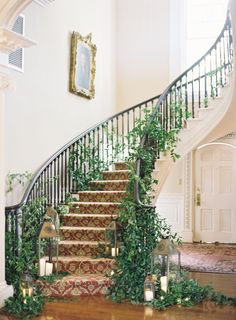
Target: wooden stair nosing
83,243
73,228
89,215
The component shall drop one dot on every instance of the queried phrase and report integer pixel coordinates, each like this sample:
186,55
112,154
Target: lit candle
148,295
30,292
27,292
164,283
48,269
114,252
24,292
42,265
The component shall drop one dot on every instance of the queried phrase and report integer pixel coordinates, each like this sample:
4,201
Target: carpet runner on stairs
82,237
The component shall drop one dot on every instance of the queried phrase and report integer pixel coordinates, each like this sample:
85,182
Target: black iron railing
54,181
191,91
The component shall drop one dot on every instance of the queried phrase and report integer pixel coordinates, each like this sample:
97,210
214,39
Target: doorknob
198,198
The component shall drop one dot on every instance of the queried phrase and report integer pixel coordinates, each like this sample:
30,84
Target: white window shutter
16,58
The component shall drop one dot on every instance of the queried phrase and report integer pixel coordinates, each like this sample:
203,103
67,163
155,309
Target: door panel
215,190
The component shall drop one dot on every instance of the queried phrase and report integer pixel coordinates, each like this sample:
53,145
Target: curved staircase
83,237
196,102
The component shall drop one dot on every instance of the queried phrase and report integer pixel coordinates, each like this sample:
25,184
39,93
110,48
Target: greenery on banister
142,226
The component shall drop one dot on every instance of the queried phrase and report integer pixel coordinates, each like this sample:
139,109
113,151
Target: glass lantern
48,243
166,261
149,288
26,286
113,238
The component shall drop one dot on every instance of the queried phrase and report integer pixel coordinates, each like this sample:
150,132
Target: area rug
208,258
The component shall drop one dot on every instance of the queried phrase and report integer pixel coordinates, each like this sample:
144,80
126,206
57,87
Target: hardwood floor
98,308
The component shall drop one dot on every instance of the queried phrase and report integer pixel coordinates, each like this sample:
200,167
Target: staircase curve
199,99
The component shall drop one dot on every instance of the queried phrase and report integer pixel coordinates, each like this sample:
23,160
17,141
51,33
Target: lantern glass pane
174,270
165,259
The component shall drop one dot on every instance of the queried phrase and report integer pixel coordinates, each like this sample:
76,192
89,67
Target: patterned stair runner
82,237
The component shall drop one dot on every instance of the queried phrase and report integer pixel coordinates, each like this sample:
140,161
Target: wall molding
6,291
171,207
188,192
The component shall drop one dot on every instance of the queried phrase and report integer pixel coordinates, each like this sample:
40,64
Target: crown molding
11,41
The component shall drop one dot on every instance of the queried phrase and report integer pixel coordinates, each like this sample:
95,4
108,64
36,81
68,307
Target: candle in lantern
48,268
114,252
149,288
27,292
164,283
42,266
149,295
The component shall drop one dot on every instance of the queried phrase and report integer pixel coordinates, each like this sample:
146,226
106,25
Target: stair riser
86,267
115,175
121,166
75,288
79,250
109,186
102,222
83,235
101,196
110,209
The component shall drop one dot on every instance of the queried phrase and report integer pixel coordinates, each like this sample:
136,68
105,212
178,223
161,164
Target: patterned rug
208,258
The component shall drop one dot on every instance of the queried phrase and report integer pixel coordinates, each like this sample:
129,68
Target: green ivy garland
142,226
187,292
30,217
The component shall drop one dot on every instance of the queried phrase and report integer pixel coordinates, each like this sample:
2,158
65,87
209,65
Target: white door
215,194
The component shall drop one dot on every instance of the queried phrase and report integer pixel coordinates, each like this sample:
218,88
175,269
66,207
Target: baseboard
6,291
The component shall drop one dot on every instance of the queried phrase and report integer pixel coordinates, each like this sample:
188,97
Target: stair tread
116,171
85,277
77,242
95,203
112,181
89,215
100,191
82,258
82,228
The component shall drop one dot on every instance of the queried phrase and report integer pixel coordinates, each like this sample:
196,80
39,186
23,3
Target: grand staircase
196,102
83,237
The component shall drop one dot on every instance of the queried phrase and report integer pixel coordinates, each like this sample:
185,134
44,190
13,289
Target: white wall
143,50
41,114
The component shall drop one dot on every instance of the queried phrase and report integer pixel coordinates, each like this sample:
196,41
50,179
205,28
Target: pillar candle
164,283
42,263
48,269
114,252
148,295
